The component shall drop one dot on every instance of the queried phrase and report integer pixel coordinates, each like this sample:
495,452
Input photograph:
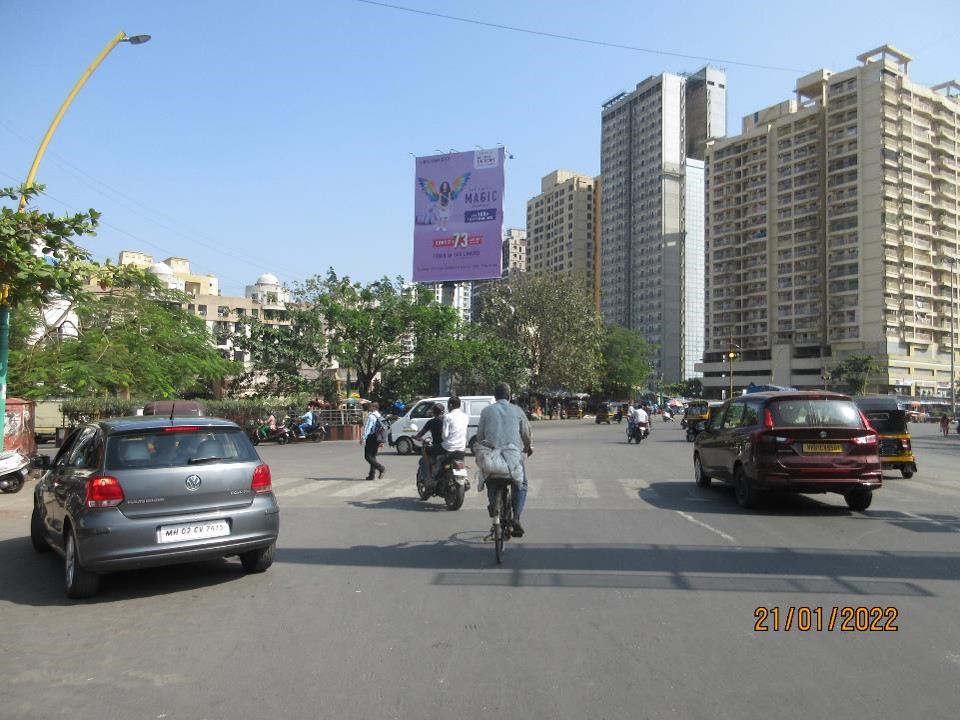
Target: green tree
689,388
551,322
286,359
131,339
39,259
856,371
371,328
626,362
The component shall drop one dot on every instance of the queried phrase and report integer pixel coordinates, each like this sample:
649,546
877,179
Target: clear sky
253,136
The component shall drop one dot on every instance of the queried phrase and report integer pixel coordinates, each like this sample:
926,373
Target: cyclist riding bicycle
504,427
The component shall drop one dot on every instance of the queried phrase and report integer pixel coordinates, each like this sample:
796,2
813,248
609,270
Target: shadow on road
402,503
30,578
466,560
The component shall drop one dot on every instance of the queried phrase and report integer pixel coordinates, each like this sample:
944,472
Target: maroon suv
807,442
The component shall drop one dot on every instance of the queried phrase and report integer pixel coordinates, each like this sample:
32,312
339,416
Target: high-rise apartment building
651,228
514,251
562,225
832,231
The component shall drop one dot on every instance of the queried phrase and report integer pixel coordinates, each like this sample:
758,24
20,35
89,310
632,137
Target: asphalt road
633,595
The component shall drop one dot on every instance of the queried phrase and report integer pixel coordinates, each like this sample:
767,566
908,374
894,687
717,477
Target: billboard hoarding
458,223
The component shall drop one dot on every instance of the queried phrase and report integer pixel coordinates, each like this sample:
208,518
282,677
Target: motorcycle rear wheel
454,499
12,483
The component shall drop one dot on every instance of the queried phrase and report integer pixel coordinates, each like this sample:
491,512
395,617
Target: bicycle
502,529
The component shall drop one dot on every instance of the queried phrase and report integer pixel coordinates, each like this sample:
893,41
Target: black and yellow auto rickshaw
890,421
698,415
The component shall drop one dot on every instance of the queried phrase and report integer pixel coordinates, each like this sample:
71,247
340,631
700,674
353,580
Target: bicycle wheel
498,525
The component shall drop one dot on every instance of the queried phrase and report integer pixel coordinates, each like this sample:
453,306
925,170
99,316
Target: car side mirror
40,462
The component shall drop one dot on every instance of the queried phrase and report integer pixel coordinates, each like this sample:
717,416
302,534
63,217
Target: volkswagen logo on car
192,482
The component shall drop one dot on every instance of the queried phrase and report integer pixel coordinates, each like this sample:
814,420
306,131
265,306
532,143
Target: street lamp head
137,39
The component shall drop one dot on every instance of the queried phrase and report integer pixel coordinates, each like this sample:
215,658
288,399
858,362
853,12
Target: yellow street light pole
5,290
114,41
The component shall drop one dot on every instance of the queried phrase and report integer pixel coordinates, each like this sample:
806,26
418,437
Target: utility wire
572,38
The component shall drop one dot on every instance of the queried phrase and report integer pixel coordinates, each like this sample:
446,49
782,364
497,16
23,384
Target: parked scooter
449,478
14,468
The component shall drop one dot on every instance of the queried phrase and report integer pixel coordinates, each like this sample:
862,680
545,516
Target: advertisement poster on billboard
458,209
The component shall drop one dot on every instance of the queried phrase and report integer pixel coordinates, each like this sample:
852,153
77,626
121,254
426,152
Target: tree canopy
373,327
132,338
550,321
856,370
626,362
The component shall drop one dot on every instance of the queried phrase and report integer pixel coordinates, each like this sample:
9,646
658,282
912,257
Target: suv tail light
865,439
767,419
905,443
103,491
262,481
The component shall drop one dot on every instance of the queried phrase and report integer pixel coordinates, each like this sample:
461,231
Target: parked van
402,431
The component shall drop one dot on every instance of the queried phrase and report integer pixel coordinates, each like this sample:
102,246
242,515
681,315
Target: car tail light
262,481
767,419
865,439
103,491
866,422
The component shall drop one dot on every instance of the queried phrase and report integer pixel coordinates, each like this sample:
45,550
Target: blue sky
252,136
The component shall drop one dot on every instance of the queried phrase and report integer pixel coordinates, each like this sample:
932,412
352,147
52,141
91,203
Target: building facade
832,231
562,224
514,252
648,278
224,315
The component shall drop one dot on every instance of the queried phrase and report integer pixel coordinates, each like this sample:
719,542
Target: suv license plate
192,531
822,447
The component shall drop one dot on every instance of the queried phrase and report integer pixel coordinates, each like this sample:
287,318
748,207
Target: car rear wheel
859,500
703,480
256,561
37,537
746,494
79,582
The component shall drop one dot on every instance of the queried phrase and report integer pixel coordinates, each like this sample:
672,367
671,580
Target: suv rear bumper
774,481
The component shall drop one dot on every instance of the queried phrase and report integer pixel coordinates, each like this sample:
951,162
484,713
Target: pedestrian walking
372,441
944,425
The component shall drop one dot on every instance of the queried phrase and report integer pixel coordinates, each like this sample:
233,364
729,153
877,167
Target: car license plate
822,447
192,531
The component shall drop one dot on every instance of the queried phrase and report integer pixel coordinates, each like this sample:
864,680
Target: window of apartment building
255,312
201,309
238,355
191,307
222,311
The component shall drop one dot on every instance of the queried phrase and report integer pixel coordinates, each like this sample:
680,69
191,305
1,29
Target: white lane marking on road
362,487
312,486
708,527
923,519
637,487
280,481
584,488
404,488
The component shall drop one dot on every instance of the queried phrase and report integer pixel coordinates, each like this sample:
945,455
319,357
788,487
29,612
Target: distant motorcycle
315,433
280,435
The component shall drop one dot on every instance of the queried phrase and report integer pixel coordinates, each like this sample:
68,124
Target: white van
402,430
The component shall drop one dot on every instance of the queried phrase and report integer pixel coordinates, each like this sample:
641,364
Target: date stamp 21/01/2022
819,619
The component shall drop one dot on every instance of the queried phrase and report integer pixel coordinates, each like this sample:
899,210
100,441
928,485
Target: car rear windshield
160,448
822,412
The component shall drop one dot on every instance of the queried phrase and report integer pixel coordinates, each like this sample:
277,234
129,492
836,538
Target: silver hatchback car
145,491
